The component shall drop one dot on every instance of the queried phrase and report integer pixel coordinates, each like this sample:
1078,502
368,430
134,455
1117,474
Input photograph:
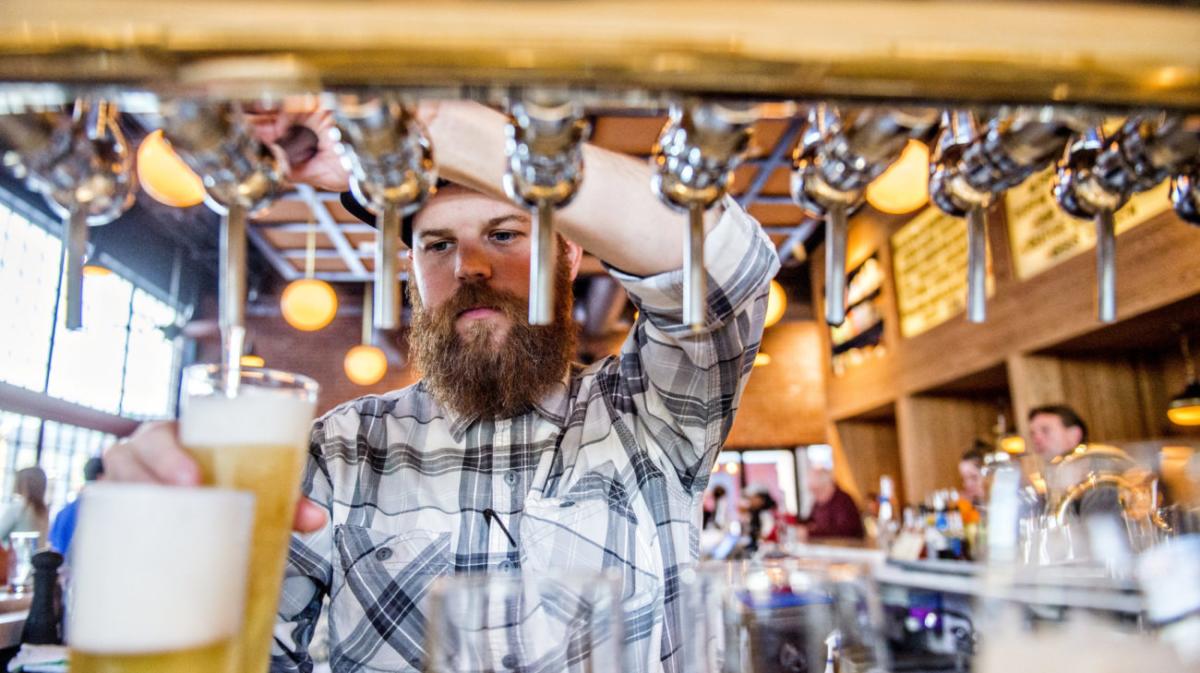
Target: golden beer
158,578
253,438
204,659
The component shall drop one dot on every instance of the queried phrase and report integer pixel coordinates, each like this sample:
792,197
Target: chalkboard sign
1042,235
929,259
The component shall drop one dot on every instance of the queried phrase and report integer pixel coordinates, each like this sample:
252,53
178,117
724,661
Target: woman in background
28,512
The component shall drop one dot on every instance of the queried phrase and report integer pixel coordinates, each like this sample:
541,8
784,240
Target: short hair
93,469
718,492
1066,414
977,453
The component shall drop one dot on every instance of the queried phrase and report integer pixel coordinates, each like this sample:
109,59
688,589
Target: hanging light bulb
253,360
164,176
365,364
309,304
1184,408
762,359
903,187
1007,440
94,268
776,304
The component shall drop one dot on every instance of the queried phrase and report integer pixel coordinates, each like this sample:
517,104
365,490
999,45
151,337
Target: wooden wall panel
864,451
784,402
934,431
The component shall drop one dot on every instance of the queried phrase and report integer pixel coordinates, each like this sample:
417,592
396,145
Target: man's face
464,237
470,287
820,482
1050,438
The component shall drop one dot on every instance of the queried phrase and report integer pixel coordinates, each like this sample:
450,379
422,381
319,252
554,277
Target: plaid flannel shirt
607,472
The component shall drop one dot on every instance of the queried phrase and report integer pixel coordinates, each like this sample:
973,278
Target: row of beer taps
77,157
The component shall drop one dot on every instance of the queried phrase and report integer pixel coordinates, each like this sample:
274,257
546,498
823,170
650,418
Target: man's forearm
615,216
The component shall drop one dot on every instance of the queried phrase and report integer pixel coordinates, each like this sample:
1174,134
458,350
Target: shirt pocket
593,535
381,589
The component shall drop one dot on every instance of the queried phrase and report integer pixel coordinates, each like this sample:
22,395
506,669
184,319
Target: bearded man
505,455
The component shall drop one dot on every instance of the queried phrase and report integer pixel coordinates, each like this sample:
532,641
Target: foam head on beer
157,569
255,417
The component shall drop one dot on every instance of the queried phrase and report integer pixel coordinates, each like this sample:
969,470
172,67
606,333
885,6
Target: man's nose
472,264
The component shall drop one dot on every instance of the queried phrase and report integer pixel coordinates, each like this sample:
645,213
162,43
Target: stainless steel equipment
390,160
695,157
545,169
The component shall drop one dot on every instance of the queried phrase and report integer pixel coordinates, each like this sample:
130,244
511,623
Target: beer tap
545,168
83,168
695,156
390,160
953,195
241,175
838,156
1097,176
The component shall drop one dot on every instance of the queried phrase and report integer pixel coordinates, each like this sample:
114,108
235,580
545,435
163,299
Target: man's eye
438,246
504,236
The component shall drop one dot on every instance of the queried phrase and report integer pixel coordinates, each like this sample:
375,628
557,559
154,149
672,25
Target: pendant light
309,304
1184,408
365,365
164,176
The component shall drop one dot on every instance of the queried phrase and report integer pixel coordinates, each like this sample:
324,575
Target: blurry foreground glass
251,433
158,579
22,546
788,616
525,622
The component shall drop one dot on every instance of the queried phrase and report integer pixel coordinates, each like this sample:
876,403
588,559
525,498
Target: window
121,362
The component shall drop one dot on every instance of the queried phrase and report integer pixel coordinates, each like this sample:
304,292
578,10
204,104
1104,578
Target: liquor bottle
43,626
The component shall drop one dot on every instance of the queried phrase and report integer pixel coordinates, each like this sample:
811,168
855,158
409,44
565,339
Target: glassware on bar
22,545
251,434
158,579
527,622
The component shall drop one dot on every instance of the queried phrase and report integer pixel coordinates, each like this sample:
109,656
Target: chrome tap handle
838,156
1092,183
241,175
1017,144
84,170
694,158
544,171
390,160
1150,148
954,195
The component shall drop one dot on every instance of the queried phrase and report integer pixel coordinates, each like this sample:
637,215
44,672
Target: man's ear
1076,435
574,256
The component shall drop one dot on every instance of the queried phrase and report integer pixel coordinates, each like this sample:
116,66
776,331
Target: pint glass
158,579
250,433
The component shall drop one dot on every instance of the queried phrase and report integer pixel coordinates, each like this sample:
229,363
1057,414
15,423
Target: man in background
834,514
64,524
1055,430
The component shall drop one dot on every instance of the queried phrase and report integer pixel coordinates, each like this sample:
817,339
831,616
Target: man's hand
324,170
152,454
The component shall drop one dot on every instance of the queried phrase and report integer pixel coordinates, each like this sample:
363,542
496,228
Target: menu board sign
929,258
1042,235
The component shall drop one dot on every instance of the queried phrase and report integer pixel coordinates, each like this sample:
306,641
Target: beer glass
526,622
157,579
250,432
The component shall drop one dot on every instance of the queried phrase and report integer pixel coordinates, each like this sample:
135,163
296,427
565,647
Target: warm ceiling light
308,304
253,361
776,304
1185,407
762,360
96,270
904,187
164,176
1012,444
732,468
365,365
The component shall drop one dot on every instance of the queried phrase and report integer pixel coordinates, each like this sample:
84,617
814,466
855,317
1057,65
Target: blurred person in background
64,524
834,514
970,472
760,509
27,512
717,517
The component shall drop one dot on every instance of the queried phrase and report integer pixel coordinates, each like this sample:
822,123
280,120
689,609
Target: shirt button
383,554
510,478
506,565
510,661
